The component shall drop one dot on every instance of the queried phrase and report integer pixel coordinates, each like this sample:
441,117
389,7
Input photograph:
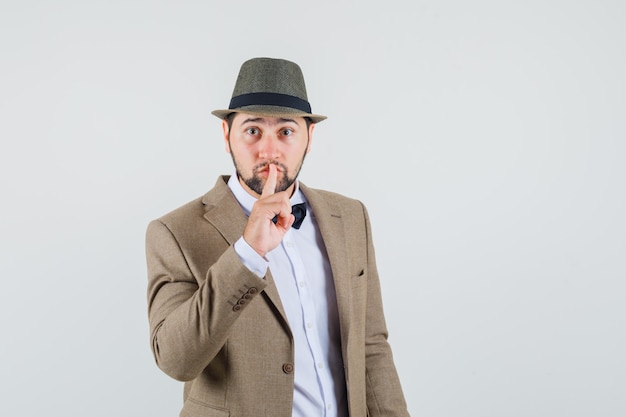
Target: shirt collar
246,201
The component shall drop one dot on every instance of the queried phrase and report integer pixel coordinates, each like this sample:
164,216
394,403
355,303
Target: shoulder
187,210
335,204
196,208
329,196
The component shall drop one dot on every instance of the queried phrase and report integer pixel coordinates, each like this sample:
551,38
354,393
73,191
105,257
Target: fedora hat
272,88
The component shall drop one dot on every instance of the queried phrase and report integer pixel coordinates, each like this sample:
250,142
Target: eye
286,131
252,131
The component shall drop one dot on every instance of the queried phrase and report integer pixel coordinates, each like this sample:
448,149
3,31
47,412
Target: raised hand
261,233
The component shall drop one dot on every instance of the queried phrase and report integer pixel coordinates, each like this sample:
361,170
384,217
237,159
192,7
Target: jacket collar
223,211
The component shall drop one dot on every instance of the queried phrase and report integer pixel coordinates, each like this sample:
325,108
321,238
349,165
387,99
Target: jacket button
252,291
288,368
236,307
241,301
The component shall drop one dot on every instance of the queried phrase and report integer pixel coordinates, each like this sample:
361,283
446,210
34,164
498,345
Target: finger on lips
270,183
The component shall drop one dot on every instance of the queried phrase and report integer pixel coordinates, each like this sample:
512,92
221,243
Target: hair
229,119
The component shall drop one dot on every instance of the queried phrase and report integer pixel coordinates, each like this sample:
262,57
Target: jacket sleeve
191,316
383,390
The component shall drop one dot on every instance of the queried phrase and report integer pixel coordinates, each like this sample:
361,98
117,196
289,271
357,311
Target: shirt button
320,365
288,368
309,325
301,283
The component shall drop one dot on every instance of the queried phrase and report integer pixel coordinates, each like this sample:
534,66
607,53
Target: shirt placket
310,323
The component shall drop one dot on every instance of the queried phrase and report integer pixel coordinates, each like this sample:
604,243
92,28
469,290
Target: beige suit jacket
222,330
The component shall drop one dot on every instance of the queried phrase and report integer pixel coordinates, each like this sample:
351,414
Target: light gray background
487,139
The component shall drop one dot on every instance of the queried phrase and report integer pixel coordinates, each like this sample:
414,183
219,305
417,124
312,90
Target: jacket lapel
224,212
328,216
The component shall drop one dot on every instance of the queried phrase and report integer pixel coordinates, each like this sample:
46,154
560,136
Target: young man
265,309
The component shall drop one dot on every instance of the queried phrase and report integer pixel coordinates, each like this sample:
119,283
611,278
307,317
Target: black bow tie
299,212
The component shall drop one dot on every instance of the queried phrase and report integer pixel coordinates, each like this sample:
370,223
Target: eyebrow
260,119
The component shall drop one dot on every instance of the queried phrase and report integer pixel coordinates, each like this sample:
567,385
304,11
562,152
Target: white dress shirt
302,274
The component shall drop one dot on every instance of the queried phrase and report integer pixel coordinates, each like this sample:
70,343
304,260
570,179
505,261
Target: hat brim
269,111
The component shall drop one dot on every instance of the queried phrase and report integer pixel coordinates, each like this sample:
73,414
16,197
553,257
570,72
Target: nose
268,147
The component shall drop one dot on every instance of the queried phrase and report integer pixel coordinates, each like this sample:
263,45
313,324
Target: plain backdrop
487,139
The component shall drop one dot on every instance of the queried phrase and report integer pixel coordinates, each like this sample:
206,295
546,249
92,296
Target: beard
256,182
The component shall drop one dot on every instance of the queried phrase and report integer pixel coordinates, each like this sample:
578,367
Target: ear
311,128
226,131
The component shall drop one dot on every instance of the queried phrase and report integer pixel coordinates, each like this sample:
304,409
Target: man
264,309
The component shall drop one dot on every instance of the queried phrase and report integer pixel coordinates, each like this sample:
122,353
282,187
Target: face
255,142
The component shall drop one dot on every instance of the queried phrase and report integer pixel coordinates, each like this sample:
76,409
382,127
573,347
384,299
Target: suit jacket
215,325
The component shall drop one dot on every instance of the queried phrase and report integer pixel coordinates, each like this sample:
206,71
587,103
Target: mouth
264,168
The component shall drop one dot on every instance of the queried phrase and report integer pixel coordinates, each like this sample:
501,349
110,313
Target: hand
261,233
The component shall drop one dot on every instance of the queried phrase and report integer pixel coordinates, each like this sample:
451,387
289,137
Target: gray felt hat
270,87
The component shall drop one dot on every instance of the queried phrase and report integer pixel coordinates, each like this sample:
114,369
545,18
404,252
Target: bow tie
299,212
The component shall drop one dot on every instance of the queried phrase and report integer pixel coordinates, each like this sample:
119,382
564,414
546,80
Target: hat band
269,99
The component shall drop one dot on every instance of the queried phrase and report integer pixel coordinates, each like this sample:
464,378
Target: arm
383,391
190,317
196,280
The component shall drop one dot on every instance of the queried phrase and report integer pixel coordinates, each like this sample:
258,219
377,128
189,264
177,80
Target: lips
265,167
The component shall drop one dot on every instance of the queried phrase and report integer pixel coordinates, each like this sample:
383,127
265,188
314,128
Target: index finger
270,183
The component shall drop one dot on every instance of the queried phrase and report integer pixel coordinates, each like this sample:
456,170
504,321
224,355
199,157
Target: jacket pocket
193,408
358,290
362,273
359,279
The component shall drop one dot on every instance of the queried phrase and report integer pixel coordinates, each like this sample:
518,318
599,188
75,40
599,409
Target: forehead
244,118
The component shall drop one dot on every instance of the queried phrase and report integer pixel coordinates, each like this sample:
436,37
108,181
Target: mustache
263,165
